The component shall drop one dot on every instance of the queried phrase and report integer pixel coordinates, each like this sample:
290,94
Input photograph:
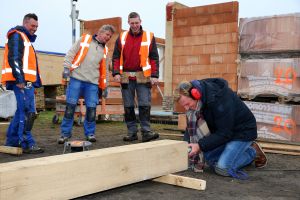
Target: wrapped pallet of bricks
276,121
270,57
271,34
270,77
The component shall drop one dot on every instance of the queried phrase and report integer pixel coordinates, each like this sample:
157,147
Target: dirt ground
279,180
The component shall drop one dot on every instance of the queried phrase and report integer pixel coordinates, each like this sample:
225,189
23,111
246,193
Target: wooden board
77,174
11,150
182,181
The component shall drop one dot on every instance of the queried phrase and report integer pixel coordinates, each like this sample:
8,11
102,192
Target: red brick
181,22
182,51
232,27
176,69
230,17
208,29
220,48
196,30
204,59
182,31
229,58
178,41
221,28
232,47
190,60
185,12
212,69
199,69
216,8
224,38
184,70
216,58
234,37
232,68
211,39
220,68
194,40
196,50
231,78
209,49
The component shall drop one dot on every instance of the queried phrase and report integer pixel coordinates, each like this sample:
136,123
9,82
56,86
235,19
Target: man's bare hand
195,149
117,78
154,81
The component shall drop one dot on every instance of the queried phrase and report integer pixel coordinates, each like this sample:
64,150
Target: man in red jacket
136,67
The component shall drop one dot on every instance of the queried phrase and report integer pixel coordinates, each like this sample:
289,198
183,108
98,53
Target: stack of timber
270,54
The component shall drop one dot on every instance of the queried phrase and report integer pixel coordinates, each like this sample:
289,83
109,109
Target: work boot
91,138
148,136
260,160
63,139
33,150
130,137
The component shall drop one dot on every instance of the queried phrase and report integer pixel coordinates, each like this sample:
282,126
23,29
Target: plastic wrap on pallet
279,77
279,33
8,103
276,121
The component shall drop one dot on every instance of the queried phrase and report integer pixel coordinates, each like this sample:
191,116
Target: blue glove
66,73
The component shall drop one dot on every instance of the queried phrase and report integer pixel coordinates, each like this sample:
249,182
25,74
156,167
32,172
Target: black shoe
33,150
148,136
63,139
91,138
130,138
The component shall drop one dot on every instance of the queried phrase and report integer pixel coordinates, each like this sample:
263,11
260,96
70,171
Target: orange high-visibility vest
29,61
84,47
144,52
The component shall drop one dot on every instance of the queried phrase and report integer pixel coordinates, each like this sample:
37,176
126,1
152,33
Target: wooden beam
11,150
285,147
73,175
182,181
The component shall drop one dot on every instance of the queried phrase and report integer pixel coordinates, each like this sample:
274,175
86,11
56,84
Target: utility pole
74,16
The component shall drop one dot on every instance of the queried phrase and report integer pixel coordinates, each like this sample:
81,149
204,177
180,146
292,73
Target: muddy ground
279,180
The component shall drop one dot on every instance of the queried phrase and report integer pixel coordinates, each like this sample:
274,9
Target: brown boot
261,158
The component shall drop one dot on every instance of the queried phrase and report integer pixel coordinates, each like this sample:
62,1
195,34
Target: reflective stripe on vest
84,47
29,61
144,51
79,58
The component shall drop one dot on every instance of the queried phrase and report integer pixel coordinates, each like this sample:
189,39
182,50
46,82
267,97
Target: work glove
66,73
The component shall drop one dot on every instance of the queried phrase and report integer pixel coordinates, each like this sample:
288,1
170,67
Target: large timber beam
77,174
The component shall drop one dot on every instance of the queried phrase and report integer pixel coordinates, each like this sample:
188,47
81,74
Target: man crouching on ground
230,145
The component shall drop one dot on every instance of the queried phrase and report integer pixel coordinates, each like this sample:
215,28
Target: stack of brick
269,67
205,43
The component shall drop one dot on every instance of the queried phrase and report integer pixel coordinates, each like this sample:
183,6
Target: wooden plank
171,134
73,175
182,181
11,150
285,147
282,152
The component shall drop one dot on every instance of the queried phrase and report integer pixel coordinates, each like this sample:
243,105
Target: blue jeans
89,91
143,92
232,156
16,134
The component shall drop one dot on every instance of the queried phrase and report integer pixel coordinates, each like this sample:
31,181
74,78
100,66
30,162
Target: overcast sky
55,27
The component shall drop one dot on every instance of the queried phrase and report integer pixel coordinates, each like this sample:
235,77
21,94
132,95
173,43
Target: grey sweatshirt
88,70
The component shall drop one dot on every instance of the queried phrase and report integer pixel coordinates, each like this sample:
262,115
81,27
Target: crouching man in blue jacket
229,146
